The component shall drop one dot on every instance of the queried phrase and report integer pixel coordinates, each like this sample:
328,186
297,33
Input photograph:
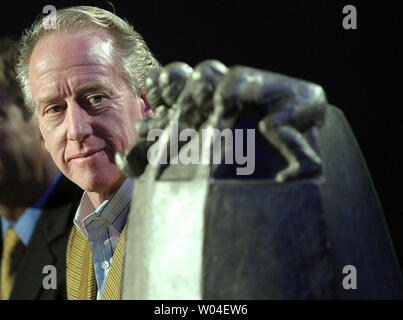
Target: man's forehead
77,56
73,47
51,92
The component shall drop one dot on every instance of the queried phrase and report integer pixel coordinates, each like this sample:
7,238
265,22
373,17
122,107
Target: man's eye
95,100
54,109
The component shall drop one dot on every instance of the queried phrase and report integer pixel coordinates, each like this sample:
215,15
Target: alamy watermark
350,19
50,280
211,140
49,22
350,280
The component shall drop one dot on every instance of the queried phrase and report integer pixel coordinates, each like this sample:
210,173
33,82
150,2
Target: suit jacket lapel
36,256
39,253
1,241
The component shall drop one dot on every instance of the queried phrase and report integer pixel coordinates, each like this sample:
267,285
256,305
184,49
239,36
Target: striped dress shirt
103,226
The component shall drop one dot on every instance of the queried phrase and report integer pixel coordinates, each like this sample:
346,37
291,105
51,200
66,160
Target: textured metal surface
268,241
164,251
205,232
257,239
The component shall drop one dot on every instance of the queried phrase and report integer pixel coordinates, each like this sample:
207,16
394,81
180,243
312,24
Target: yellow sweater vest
80,276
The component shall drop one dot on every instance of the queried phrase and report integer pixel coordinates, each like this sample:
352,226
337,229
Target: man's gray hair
137,59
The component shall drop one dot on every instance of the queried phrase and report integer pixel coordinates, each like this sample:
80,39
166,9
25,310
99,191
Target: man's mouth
86,155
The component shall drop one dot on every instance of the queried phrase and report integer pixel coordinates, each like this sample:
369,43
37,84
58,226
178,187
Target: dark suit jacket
48,245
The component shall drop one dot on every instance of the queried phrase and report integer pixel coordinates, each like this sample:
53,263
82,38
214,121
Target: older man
36,202
83,81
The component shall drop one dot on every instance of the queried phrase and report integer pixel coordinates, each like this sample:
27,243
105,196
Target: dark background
305,39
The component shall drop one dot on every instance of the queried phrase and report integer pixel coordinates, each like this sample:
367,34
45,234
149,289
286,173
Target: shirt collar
112,212
25,225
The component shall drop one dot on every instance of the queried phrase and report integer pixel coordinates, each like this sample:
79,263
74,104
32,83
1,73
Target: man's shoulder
64,192
58,212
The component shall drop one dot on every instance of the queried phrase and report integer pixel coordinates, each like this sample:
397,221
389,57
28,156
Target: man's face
20,153
86,110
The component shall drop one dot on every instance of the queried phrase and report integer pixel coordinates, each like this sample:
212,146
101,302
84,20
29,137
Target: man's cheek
55,155
46,146
41,130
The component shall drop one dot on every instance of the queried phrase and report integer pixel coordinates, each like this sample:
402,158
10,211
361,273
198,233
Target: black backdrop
357,68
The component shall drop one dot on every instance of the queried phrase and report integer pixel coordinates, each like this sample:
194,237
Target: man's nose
79,123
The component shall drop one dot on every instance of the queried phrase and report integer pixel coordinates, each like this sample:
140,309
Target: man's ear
147,111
